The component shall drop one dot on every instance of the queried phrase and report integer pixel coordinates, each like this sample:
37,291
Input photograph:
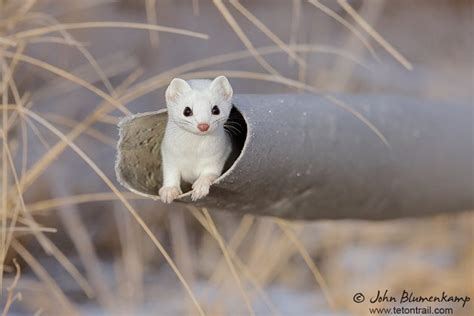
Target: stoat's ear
177,88
222,87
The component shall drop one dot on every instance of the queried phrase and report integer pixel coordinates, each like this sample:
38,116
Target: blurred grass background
74,242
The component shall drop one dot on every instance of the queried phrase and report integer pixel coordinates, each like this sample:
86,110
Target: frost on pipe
303,157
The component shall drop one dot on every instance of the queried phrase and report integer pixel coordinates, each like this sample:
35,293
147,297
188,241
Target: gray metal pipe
303,157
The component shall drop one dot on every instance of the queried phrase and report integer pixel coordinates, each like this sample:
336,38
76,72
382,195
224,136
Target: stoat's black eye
187,111
215,110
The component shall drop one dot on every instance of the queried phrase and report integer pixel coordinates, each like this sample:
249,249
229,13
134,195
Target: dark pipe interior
237,129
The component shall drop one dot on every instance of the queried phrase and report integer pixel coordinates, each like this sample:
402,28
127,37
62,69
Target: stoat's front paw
201,187
168,194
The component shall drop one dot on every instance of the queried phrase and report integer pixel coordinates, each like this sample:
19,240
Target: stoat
195,145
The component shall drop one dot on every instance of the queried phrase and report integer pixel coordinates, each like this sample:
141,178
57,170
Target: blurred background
73,241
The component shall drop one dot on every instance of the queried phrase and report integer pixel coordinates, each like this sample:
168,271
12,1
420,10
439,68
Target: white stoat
195,146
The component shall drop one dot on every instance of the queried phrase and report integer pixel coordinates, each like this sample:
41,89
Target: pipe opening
138,164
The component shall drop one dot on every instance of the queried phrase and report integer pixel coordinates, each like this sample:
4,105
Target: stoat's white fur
187,153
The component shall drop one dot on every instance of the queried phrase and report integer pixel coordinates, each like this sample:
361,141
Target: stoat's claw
201,188
168,194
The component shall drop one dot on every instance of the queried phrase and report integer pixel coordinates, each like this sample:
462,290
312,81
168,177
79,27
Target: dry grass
240,260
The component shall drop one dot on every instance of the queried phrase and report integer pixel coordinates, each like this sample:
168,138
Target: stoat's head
200,106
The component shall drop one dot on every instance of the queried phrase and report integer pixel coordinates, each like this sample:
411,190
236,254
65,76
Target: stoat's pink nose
203,127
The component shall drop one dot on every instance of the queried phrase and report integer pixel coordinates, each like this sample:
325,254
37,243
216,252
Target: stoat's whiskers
234,123
232,128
